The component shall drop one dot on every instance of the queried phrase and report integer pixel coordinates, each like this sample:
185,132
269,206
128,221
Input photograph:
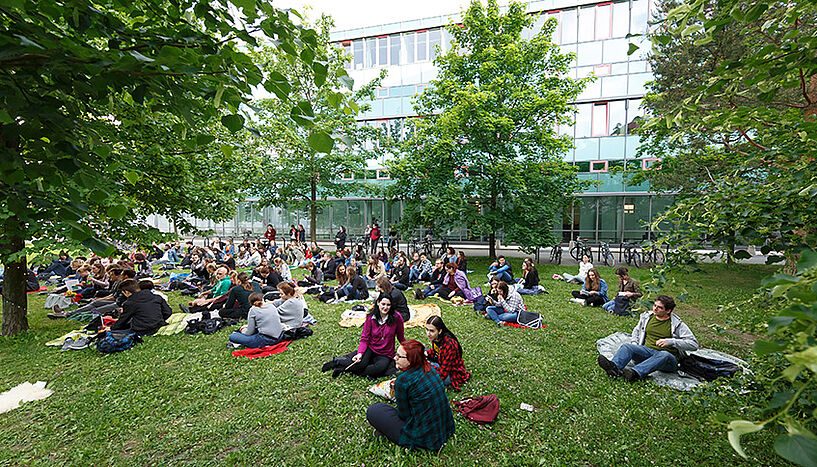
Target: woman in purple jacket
455,283
375,354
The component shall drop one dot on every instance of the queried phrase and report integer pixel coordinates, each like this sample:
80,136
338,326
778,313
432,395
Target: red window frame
558,33
377,93
602,70
609,6
598,131
650,159
381,177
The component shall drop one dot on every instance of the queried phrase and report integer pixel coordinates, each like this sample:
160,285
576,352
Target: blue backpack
117,341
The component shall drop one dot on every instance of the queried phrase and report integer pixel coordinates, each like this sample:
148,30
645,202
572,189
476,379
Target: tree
485,151
68,71
303,167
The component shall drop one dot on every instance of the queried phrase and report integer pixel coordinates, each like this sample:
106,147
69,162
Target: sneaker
233,345
609,367
79,344
630,375
575,300
582,302
500,323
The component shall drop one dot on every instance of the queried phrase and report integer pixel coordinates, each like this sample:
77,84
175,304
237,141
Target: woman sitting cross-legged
291,306
238,300
375,354
423,417
263,326
445,353
506,307
529,283
593,292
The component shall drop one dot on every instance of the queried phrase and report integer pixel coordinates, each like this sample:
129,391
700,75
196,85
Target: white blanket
24,392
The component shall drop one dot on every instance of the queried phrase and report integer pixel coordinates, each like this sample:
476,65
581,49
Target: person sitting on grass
143,312
529,283
398,300
291,306
263,326
205,299
375,354
507,306
106,305
501,268
267,278
238,305
355,288
445,353
462,262
399,275
423,418
435,282
658,342
421,270
454,283
283,269
627,287
584,266
375,269
593,292
315,276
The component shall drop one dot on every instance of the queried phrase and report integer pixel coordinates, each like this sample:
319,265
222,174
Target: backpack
480,410
707,369
621,306
296,333
529,319
117,341
207,326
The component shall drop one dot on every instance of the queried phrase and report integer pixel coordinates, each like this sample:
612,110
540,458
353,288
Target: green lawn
185,399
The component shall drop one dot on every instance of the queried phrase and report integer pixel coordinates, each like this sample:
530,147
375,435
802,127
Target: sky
350,14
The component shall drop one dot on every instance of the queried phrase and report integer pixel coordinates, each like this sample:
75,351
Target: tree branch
803,87
751,141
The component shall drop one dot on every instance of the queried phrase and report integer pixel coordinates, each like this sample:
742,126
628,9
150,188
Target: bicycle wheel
636,257
589,252
658,257
609,259
574,253
559,255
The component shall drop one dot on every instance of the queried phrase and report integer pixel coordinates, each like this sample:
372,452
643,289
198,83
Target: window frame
650,159
594,132
347,176
593,170
378,95
384,60
605,66
557,34
381,177
609,6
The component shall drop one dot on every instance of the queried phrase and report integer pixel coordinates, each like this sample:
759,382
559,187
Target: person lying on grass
658,341
263,326
593,292
445,353
423,417
375,354
507,306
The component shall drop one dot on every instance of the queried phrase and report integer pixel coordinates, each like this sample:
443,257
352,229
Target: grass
185,399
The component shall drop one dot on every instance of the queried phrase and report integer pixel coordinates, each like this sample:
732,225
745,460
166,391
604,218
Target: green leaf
321,141
132,177
808,260
233,122
5,117
806,358
320,69
798,449
140,57
219,93
767,347
778,322
347,81
742,254
632,49
99,247
737,428
303,114
117,211
204,139
227,150
277,84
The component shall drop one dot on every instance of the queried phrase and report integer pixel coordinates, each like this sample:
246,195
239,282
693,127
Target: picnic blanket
262,351
418,315
679,381
42,288
175,324
57,299
517,325
71,335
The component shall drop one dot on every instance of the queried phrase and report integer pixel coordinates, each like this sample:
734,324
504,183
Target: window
583,119
604,21
383,174
461,172
589,53
616,117
371,52
371,175
418,89
358,54
557,32
601,70
652,163
435,42
598,166
347,49
382,92
396,130
568,26
408,43
347,176
583,167
383,50
621,19
587,24
422,46
395,49
600,119
638,17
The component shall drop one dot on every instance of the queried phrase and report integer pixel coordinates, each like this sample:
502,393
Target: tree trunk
313,209
15,301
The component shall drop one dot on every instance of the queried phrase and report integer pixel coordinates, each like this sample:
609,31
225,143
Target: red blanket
42,289
262,351
517,325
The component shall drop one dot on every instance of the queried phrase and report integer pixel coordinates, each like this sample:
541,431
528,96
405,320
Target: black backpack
621,305
707,369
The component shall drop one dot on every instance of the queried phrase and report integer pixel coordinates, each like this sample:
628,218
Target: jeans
497,313
414,275
571,278
252,342
529,291
647,360
503,276
349,292
100,306
384,418
399,286
609,306
432,290
447,380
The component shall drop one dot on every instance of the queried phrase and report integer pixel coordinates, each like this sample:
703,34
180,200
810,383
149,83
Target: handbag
529,319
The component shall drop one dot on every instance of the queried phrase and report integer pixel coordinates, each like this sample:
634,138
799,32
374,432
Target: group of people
594,289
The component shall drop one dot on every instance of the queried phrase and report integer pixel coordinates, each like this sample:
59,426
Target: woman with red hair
423,417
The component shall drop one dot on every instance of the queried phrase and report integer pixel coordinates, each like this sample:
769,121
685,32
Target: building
605,114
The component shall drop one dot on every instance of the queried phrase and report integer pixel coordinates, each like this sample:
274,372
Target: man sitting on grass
659,340
143,312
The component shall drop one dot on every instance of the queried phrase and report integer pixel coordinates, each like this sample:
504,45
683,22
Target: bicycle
556,254
443,247
580,249
606,255
631,254
653,254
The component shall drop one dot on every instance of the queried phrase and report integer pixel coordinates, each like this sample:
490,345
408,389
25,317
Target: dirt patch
128,448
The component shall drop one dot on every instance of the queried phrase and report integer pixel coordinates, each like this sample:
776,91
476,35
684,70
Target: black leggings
591,300
448,294
384,419
233,313
371,365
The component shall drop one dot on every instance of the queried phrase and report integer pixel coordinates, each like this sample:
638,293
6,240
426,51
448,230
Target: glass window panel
408,45
637,81
539,21
604,16
636,213
358,54
422,46
592,177
638,17
583,167
592,91
371,52
356,217
599,120
638,66
377,108
615,50
434,42
392,106
609,214
617,116
347,49
589,53
396,130
339,215
587,23
618,68
611,182
583,119
632,143
395,49
659,205
612,86
569,26
447,39
587,149
587,217
621,19
611,148
382,50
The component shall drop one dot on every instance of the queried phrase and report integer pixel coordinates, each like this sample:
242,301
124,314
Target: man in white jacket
658,341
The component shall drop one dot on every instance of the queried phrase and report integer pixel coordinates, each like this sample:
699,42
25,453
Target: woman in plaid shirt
445,353
423,417
507,306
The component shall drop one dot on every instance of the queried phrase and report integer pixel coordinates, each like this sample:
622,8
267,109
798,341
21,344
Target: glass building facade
605,115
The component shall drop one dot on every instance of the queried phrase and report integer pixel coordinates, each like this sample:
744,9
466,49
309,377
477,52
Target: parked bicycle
653,254
631,254
581,248
443,247
605,255
556,254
